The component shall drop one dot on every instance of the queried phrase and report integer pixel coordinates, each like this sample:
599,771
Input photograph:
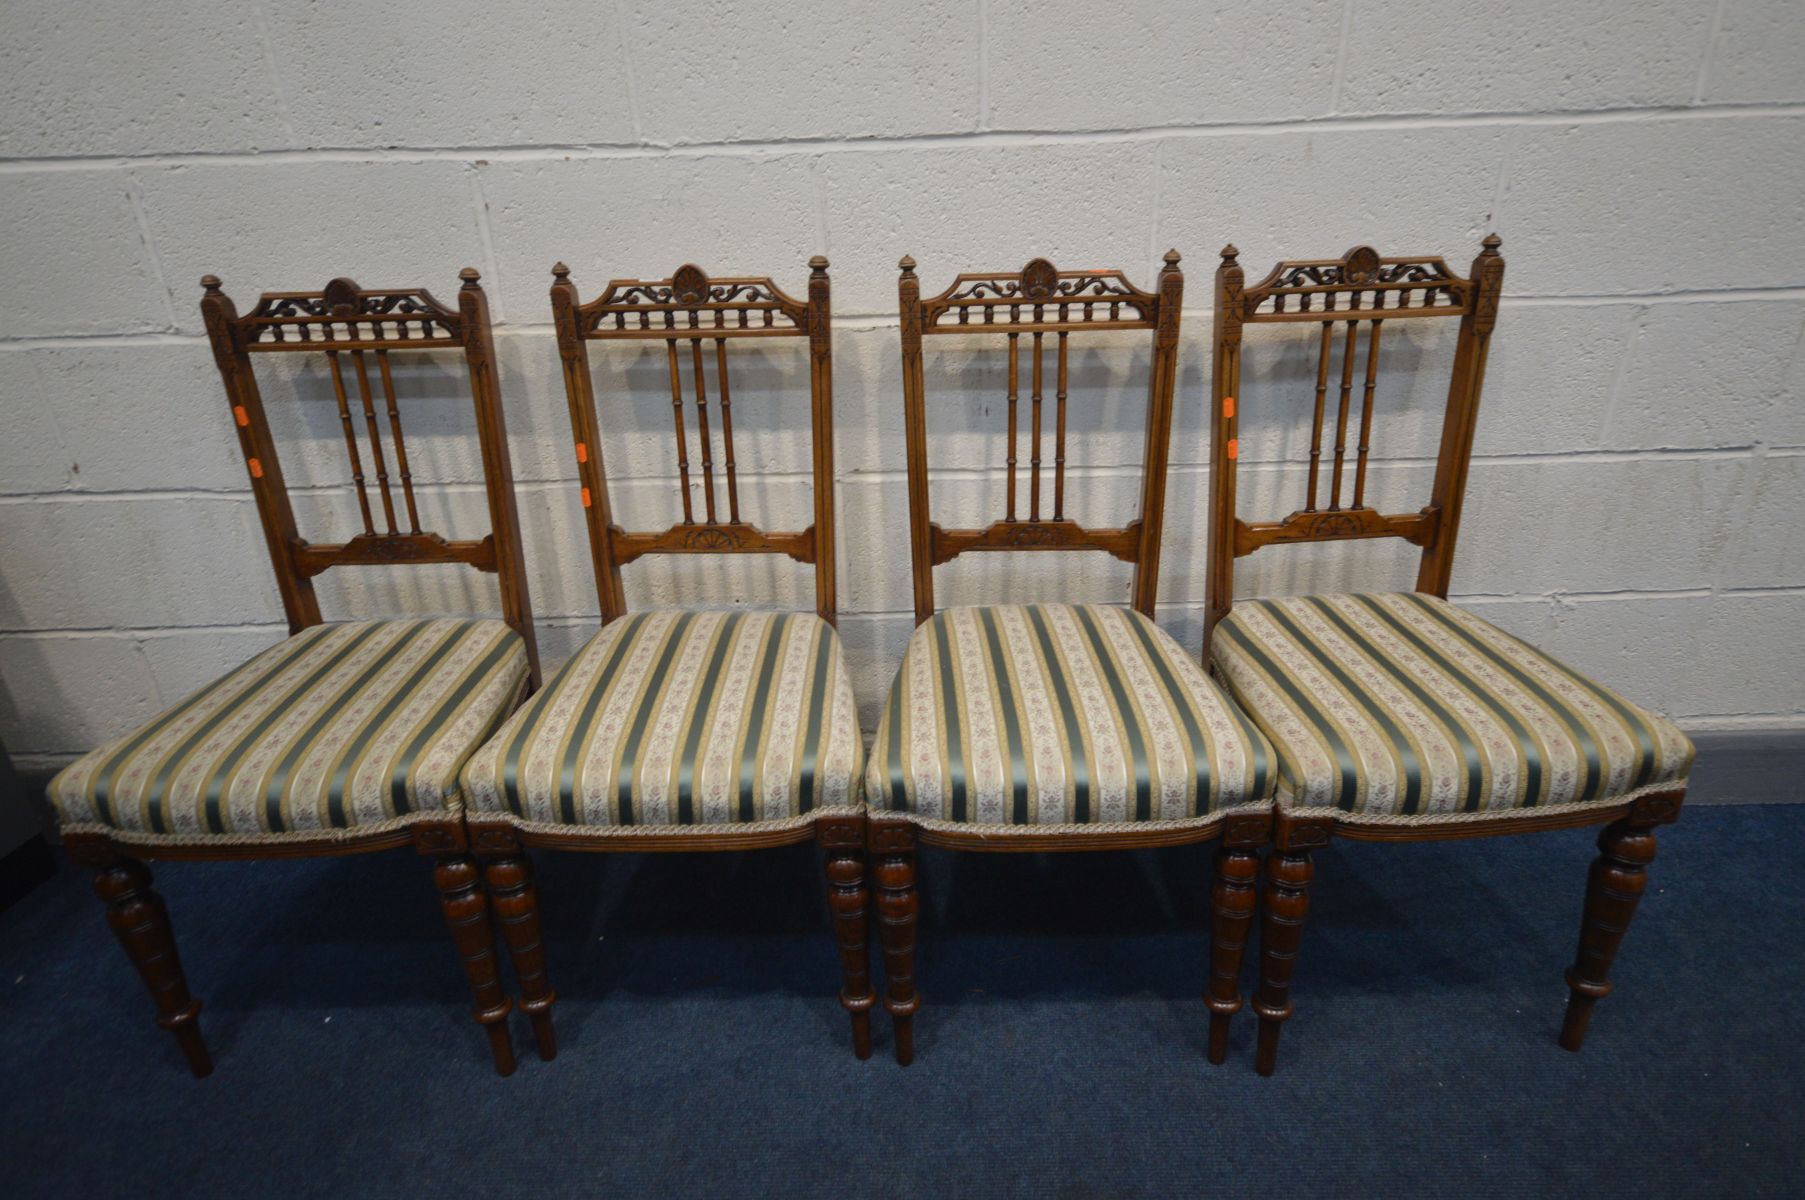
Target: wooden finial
1230,254
211,283
469,275
560,272
1491,243
907,264
1172,258
818,264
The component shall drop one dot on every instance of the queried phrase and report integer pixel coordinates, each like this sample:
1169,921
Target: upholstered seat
1057,714
681,719
342,727
1401,706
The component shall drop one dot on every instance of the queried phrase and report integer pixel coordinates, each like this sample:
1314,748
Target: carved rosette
713,537
1360,265
689,285
1040,280
341,298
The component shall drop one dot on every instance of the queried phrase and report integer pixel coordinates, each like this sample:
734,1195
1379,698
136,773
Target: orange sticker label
256,469
1228,406
243,417
585,497
1234,448
582,452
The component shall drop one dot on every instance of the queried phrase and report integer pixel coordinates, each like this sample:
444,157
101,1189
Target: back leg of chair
141,922
467,913
843,838
1614,885
509,876
897,910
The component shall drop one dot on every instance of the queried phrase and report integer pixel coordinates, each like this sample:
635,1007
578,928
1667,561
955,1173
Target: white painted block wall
1638,503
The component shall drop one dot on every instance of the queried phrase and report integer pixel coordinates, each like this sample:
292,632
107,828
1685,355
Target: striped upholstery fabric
1055,714
1400,706
682,719
341,727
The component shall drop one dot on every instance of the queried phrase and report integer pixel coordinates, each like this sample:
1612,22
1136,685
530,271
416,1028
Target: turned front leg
1287,903
897,910
850,902
516,904
467,914
141,922
1614,886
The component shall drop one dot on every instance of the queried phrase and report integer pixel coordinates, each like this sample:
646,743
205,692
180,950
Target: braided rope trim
558,828
1072,828
353,833
1286,806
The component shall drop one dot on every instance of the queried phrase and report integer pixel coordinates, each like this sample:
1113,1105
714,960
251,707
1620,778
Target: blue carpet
1060,1054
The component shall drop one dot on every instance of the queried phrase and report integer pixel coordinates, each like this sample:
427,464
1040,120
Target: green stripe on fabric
630,745
817,712
1200,745
686,765
759,716
949,708
222,774
1634,719
1081,776
1527,743
1137,746
1582,736
1350,779
299,644
1012,732
578,736
335,790
896,795
1469,749
504,647
1325,661
277,789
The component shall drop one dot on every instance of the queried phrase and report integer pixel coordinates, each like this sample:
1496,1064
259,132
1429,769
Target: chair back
1344,295
357,329
1041,301
687,312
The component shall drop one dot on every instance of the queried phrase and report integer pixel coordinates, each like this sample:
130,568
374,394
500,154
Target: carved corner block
1662,808
445,838
1247,829
890,837
1292,831
841,833
90,850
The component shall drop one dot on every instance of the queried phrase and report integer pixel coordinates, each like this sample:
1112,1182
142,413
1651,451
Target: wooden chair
345,737
687,730
1400,717
1051,726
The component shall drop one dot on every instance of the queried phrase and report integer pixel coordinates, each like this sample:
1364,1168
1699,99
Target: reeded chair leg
1618,877
1286,903
897,910
1231,916
141,922
467,913
843,838
516,902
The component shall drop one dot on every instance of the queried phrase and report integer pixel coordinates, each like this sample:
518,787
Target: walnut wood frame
341,318
691,307
1040,300
1358,288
